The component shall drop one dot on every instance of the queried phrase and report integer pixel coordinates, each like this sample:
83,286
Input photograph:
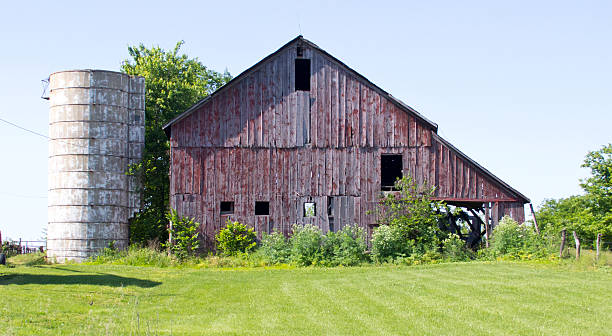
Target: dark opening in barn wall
262,208
390,170
227,208
302,74
330,213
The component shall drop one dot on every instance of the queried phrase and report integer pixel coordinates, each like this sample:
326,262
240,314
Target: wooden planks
260,140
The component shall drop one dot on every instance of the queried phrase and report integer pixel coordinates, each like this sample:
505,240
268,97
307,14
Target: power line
97,150
25,129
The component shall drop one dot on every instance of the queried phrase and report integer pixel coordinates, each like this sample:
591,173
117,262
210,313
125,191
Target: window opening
262,208
390,170
302,74
310,209
227,208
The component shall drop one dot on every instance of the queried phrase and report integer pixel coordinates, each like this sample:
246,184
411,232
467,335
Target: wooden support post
535,222
598,244
495,213
562,243
487,223
577,245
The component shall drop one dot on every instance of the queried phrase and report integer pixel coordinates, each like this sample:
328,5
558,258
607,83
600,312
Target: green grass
446,299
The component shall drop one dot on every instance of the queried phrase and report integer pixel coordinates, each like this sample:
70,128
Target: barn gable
301,127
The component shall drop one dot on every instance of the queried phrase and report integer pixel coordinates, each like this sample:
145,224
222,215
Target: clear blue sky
522,87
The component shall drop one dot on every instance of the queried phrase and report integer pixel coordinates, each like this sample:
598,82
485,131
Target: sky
522,87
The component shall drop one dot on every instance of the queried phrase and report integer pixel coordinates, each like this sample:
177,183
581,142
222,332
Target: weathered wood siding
260,140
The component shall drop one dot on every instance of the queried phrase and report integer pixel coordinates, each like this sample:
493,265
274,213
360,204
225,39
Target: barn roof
397,102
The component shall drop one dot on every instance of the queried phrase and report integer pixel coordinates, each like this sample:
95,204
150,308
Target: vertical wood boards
259,140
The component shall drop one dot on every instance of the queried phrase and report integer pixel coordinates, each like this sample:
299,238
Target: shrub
454,249
275,248
520,241
235,238
346,247
306,243
184,235
414,217
388,243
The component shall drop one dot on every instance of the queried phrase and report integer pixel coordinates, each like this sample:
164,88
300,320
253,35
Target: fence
14,247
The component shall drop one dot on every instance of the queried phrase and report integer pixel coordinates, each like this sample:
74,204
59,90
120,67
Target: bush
519,241
275,248
414,217
346,247
454,249
184,235
235,238
388,243
306,243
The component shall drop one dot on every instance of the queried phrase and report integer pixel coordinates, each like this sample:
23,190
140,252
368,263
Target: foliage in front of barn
309,246
514,241
235,238
185,240
408,222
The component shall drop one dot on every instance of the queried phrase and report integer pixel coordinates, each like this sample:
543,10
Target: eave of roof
486,171
300,38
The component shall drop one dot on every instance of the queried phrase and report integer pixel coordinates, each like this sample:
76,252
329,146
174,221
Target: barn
302,138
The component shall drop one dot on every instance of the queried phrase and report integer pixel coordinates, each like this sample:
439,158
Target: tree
598,187
411,217
587,214
174,82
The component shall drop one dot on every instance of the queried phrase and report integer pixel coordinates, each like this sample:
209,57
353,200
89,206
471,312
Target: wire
96,150
25,129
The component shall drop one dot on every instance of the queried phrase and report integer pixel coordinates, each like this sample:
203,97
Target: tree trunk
577,245
562,243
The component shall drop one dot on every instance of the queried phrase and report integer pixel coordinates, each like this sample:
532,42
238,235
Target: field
477,298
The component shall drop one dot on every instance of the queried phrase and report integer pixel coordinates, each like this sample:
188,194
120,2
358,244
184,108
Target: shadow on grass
100,279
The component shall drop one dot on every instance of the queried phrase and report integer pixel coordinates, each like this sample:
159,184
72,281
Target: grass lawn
446,299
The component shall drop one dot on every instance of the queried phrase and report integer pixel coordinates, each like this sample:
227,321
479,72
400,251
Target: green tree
413,215
598,187
587,214
174,82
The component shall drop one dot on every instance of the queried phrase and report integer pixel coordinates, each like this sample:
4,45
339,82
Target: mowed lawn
446,299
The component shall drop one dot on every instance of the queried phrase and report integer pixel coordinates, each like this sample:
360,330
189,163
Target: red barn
302,138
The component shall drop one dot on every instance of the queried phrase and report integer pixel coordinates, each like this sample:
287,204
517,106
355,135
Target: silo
96,130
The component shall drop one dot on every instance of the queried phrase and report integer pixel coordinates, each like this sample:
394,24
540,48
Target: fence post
577,245
535,221
562,243
598,244
20,250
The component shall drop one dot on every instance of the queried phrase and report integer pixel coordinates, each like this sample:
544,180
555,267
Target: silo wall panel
96,129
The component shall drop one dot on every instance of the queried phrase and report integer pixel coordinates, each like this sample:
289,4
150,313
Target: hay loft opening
302,74
390,170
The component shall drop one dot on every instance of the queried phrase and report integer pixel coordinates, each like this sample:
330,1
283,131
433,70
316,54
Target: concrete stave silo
96,130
